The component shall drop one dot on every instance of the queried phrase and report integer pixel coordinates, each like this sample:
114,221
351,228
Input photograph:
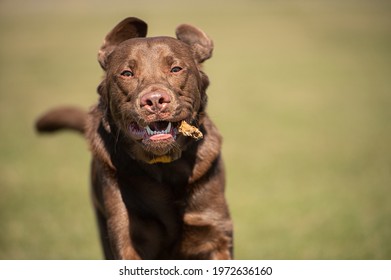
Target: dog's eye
127,73
175,69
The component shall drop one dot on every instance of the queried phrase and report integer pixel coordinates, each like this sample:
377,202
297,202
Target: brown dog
158,193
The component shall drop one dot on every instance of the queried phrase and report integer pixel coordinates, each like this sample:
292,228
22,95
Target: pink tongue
157,137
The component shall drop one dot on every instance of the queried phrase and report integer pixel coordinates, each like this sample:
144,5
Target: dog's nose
155,101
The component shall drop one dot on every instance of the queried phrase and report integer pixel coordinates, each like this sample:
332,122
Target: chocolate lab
158,188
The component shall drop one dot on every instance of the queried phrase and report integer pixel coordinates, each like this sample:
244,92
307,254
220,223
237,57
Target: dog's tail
60,118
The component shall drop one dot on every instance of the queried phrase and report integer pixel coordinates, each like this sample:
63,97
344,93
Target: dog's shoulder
97,137
208,149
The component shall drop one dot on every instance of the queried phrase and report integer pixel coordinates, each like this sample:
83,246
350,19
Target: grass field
301,91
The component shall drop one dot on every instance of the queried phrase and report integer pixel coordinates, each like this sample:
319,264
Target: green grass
301,91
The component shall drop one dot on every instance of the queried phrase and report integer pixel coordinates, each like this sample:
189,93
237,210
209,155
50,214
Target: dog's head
151,85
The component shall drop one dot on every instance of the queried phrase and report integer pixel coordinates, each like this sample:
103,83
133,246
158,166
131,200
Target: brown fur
174,208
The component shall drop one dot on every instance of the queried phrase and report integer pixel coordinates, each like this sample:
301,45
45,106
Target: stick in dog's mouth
190,131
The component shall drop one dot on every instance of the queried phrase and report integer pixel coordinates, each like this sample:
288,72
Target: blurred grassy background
300,90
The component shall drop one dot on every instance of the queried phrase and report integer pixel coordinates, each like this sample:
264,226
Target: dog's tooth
149,130
168,129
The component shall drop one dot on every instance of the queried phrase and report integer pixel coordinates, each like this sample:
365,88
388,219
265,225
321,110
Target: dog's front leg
118,222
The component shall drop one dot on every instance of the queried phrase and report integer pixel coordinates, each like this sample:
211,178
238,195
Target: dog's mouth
159,139
155,132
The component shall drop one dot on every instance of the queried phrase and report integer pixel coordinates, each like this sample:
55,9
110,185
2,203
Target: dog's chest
156,200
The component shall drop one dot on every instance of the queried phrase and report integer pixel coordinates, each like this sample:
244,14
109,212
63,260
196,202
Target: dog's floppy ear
201,44
128,28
